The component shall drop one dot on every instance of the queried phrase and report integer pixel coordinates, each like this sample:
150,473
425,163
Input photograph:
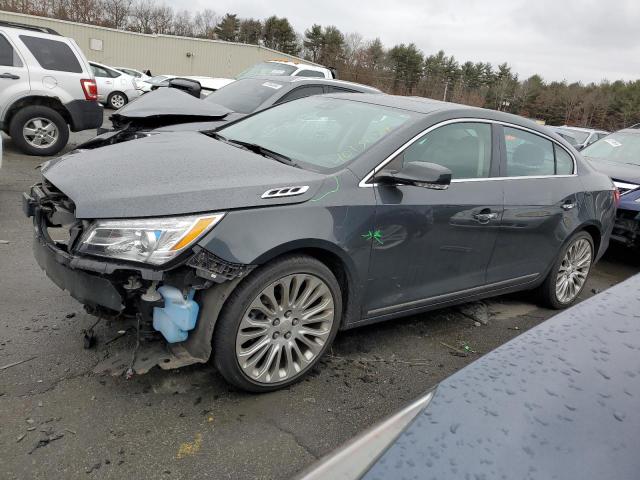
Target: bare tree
182,24
162,20
143,16
204,23
116,13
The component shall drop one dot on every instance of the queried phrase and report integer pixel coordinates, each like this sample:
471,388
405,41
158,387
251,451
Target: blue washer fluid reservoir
178,315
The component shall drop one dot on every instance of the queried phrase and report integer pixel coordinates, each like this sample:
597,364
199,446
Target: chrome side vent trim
285,191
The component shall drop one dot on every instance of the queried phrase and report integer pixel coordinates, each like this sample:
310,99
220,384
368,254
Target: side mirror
427,175
192,87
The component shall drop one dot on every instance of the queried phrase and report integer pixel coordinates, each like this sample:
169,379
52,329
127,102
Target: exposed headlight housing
147,240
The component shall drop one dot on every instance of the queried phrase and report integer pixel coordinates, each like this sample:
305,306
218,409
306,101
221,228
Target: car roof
318,81
429,106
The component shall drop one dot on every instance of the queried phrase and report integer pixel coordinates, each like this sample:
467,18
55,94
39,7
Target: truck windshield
268,68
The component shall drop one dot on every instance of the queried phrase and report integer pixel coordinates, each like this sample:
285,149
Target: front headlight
148,240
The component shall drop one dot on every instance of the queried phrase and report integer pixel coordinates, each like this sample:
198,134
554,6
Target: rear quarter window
52,54
8,56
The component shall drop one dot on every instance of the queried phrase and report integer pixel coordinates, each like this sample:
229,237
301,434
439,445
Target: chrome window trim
364,182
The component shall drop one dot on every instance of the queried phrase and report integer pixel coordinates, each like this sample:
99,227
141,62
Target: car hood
166,106
172,174
617,171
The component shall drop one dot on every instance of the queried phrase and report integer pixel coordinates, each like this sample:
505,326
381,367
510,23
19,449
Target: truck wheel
117,100
277,324
569,273
39,130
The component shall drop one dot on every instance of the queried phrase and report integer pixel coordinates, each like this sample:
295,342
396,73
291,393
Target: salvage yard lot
61,421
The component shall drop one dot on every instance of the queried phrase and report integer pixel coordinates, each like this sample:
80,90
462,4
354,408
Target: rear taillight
616,196
89,88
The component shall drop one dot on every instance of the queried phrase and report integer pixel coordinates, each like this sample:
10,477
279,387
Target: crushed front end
627,226
146,274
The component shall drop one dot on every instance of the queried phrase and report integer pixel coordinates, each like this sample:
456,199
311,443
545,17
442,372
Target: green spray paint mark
374,235
329,192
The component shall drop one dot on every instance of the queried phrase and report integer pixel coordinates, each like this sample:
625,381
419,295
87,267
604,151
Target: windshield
579,135
157,80
617,147
244,96
268,68
320,133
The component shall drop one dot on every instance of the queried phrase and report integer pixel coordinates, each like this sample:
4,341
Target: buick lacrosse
256,243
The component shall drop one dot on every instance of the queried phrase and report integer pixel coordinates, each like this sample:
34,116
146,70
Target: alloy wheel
117,101
284,329
573,270
40,132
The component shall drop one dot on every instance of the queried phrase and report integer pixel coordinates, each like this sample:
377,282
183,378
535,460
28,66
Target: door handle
568,206
10,76
485,217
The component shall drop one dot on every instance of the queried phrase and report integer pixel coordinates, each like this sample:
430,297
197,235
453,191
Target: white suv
46,88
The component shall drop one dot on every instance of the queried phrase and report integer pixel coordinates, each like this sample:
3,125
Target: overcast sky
586,40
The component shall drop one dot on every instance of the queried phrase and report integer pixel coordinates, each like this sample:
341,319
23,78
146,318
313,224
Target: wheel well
338,268
596,236
118,91
50,102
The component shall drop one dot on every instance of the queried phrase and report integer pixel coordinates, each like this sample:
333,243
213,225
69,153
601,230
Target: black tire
27,114
113,97
547,291
226,331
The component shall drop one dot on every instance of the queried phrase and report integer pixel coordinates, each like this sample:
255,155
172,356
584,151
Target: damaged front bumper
173,329
626,229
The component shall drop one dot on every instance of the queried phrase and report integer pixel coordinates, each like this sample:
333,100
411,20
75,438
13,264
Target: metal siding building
159,53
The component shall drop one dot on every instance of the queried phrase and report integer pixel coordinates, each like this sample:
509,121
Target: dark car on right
618,155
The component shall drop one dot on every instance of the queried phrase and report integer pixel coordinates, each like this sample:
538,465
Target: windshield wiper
255,148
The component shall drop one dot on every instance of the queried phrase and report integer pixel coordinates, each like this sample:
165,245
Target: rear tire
569,273
277,324
39,130
117,100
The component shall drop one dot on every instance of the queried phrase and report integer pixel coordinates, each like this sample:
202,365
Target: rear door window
8,56
52,54
528,154
100,72
564,162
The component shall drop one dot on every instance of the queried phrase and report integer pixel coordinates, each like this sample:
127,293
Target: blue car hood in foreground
172,174
559,401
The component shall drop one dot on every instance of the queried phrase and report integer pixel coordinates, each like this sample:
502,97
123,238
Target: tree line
402,69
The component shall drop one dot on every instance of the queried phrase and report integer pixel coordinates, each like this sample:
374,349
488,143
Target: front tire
569,273
39,130
277,324
117,100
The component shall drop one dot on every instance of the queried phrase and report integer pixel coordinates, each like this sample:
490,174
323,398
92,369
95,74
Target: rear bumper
85,114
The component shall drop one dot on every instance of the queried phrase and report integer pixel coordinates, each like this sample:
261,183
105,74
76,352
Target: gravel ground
59,420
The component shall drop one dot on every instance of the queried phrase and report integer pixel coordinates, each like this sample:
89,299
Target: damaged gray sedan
256,243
